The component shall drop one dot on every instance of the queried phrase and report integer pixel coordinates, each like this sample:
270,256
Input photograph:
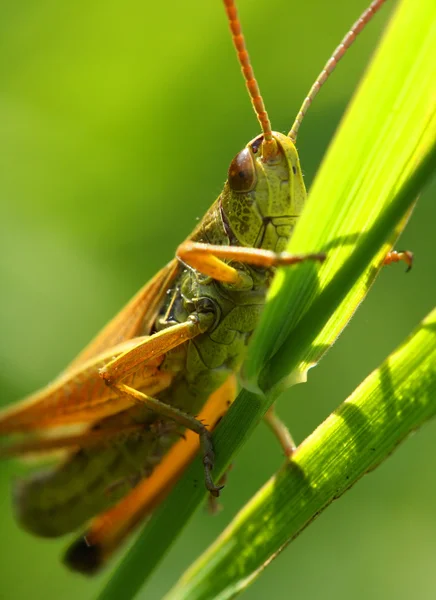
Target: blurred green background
118,121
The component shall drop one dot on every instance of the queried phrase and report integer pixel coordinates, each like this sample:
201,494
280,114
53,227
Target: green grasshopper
165,367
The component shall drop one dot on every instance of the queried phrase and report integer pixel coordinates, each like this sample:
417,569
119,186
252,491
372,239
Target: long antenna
358,26
269,144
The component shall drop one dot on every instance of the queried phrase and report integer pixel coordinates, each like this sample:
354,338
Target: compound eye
242,173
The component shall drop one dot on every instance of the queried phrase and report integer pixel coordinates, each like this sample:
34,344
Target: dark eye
242,174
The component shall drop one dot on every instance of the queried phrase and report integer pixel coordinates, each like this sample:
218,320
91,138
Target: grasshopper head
263,197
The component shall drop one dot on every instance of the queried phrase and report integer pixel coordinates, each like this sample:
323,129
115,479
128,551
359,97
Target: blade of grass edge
393,401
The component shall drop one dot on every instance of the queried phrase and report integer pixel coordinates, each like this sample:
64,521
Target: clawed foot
208,463
403,255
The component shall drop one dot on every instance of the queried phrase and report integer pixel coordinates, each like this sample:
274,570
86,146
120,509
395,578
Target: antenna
329,67
269,146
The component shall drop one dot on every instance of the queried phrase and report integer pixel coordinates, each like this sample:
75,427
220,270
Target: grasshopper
131,410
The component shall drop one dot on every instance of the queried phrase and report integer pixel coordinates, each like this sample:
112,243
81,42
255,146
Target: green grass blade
353,214
392,402
350,214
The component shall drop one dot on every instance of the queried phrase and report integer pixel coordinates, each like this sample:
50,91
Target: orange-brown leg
183,419
117,370
108,530
81,396
280,431
209,259
404,256
156,345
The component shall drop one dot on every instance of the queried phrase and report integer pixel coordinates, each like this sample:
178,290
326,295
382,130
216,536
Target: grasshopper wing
136,318
79,395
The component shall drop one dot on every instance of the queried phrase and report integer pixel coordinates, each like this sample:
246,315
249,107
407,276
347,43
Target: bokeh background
118,121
